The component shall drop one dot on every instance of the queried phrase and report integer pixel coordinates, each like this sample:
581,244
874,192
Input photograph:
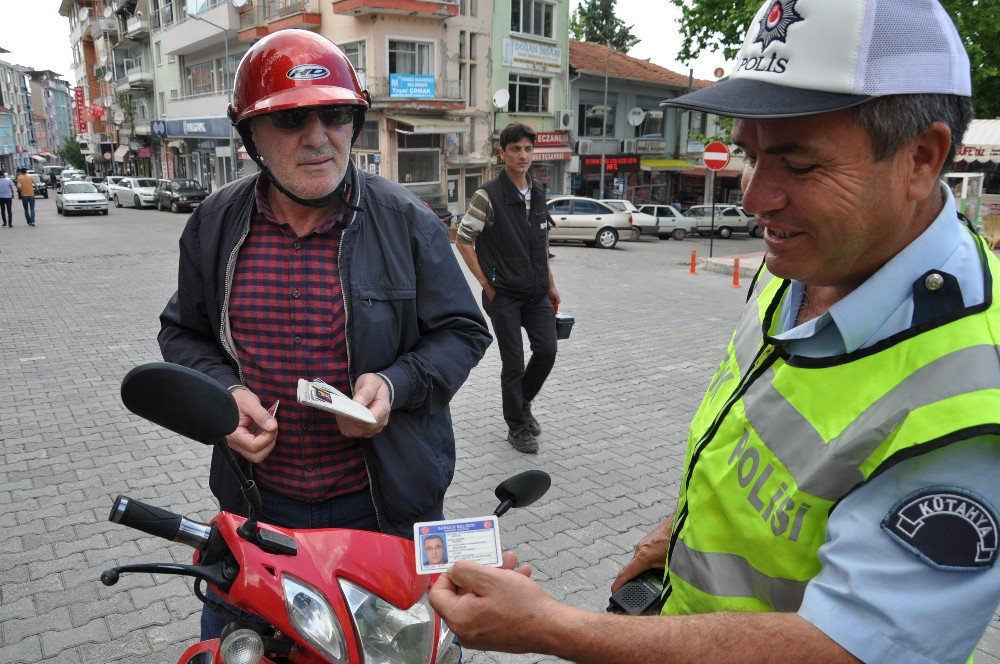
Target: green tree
595,21
70,153
719,25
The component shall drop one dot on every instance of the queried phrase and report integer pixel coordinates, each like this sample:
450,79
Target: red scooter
329,595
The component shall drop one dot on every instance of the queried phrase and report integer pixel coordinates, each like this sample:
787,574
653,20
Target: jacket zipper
347,345
223,323
766,356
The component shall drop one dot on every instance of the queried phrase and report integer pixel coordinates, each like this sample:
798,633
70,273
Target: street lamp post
604,110
225,36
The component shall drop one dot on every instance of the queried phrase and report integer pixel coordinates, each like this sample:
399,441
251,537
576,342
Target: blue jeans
355,510
29,209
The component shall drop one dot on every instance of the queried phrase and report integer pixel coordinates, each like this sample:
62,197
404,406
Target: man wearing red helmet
315,269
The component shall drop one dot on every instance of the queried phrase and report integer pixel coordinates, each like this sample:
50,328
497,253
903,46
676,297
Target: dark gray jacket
409,315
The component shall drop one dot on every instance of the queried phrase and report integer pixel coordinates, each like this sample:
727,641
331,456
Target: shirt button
297,246
309,467
304,426
297,340
296,294
933,282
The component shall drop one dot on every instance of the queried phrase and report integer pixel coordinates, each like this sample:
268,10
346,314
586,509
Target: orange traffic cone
694,270
736,273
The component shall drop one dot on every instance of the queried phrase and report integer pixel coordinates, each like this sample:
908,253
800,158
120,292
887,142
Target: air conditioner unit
565,119
584,146
630,145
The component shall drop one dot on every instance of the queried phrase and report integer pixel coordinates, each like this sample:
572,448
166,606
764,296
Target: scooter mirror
522,490
182,400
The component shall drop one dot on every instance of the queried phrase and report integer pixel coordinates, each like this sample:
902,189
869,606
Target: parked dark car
178,195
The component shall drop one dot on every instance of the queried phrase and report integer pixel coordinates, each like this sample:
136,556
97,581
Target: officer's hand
371,392
490,293
492,609
650,552
554,297
257,431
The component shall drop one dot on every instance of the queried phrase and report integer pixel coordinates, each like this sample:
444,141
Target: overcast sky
38,37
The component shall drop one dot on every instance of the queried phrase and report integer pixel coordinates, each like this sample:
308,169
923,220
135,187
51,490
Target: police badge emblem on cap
947,527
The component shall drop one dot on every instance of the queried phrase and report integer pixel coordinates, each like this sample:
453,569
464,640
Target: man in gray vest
504,241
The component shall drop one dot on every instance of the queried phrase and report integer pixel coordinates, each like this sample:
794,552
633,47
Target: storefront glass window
417,166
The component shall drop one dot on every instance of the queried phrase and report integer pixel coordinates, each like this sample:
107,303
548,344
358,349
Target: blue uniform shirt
876,599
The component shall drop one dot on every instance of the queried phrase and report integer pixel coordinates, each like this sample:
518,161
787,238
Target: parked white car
669,222
80,197
111,180
134,192
590,221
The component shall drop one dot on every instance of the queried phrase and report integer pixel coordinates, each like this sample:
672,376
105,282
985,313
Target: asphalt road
79,308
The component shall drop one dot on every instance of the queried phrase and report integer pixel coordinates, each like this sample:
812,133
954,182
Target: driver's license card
440,543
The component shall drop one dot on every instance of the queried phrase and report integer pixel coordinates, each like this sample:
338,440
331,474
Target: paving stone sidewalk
79,308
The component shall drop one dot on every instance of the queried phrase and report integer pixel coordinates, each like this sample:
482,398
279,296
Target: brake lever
221,574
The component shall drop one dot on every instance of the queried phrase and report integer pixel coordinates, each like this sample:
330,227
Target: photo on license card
439,544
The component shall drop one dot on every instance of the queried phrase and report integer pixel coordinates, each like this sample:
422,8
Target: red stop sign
716,156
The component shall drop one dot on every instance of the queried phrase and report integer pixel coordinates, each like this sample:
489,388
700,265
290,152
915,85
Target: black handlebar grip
147,518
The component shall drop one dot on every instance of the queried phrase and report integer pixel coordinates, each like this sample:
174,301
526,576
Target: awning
47,155
414,124
981,142
725,173
121,152
36,158
552,154
664,164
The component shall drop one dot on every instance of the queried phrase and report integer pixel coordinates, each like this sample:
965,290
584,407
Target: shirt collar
267,212
865,310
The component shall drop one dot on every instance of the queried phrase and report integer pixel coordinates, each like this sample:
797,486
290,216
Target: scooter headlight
390,635
314,619
243,646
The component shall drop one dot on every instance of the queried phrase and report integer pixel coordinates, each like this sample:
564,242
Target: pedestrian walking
375,305
504,241
26,192
6,199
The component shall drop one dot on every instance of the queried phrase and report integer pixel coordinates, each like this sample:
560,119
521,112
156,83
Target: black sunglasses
296,118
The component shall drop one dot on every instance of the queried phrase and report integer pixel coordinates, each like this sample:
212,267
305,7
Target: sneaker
522,441
533,426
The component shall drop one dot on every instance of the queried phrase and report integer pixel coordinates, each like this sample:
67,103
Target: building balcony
253,24
142,128
138,73
100,27
212,104
440,9
191,34
293,14
413,87
136,27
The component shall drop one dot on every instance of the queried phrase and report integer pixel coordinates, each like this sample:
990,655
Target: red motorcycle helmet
293,69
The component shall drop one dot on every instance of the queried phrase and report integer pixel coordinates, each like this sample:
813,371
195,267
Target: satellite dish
108,12
719,72
636,116
119,117
500,99
240,4
84,14
108,76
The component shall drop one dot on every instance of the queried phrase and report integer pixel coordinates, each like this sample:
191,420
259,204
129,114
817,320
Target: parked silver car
590,221
80,197
729,219
669,222
137,192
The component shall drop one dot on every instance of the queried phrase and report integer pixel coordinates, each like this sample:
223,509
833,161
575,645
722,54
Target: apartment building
131,76
17,138
51,114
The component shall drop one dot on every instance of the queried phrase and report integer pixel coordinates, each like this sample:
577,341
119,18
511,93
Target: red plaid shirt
286,312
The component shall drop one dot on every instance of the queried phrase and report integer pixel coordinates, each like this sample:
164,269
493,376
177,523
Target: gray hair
892,120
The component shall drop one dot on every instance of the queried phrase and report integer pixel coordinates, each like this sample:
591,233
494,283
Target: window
592,116
355,52
171,59
173,95
652,125
589,207
366,161
529,94
158,54
409,58
417,166
560,207
533,17
199,79
226,76
368,138
163,104
469,8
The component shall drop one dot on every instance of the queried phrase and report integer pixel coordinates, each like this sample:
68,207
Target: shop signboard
145,153
551,139
531,55
411,86
650,145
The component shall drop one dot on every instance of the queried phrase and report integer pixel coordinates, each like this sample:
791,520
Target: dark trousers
6,211
519,384
355,510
